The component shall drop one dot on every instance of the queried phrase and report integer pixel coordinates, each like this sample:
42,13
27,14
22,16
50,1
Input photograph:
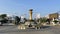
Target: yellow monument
30,16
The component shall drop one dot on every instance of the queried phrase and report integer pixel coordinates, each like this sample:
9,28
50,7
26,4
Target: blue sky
20,7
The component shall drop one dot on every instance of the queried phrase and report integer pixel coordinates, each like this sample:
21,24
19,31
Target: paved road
14,30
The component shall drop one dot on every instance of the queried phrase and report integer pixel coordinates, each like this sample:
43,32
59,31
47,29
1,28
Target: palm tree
43,20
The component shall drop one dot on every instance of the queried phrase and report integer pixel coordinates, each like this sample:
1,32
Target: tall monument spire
30,14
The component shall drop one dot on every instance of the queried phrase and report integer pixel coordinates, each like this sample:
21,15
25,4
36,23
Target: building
54,15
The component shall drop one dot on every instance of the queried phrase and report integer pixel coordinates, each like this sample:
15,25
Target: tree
43,20
48,20
3,15
3,19
25,20
17,20
55,21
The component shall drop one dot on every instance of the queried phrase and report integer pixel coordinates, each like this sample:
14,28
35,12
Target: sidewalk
52,25
8,24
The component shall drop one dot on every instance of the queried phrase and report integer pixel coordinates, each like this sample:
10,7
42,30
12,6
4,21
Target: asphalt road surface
14,30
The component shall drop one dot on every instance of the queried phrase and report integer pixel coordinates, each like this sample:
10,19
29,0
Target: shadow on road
45,27
7,25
